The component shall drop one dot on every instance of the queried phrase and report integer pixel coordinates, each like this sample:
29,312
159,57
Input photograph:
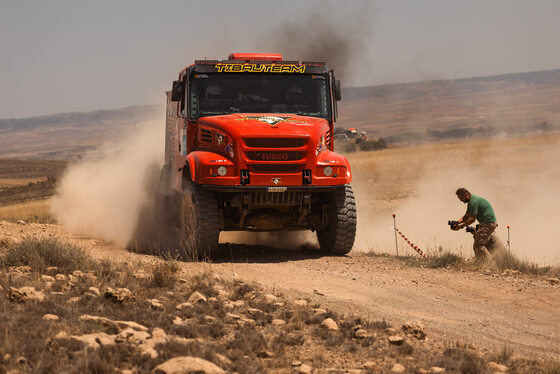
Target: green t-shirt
481,208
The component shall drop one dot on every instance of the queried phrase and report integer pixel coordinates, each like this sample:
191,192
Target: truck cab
249,148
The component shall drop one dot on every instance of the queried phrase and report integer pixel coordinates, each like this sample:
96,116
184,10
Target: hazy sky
63,56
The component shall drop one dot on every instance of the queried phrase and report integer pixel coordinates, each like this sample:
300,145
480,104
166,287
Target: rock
132,337
270,299
21,360
210,320
233,316
48,286
47,278
6,358
319,312
155,304
436,370
330,324
212,299
301,302
183,306
113,325
222,360
178,321
553,280
95,291
304,369
187,364
398,368
265,354
120,295
296,363
391,330
60,277
159,336
50,317
52,270
21,222
197,297
415,328
250,295
278,322
370,365
396,339
497,367
23,294
73,300
95,339
360,334
255,312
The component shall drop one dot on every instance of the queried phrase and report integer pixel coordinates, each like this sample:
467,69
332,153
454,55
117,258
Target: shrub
164,273
40,253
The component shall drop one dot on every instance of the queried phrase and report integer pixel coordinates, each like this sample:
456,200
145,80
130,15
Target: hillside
512,104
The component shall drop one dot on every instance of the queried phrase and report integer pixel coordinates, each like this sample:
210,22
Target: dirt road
489,310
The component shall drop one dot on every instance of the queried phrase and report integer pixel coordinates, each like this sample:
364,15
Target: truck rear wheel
338,238
200,228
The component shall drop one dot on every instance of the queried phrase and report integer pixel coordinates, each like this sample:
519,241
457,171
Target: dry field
478,319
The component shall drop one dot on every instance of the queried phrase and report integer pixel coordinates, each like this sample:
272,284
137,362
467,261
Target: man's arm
466,220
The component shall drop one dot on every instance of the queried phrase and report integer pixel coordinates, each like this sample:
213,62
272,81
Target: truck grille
272,168
275,155
275,142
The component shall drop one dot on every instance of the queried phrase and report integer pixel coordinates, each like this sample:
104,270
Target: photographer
479,209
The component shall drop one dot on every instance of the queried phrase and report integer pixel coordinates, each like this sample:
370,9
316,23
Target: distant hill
432,110
510,104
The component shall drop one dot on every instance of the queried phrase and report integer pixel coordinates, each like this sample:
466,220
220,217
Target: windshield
215,94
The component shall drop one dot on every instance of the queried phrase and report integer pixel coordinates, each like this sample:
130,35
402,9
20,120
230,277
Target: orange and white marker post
395,228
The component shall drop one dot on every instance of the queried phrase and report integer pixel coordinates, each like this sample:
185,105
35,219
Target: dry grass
37,211
164,273
255,347
42,253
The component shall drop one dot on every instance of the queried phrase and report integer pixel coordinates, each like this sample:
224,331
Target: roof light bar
255,56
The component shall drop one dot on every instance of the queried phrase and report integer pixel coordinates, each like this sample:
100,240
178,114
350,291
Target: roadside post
508,242
395,229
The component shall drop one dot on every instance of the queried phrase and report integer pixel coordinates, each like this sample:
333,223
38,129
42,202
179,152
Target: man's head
294,95
213,92
463,194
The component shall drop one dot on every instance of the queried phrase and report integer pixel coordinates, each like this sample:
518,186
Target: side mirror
177,91
337,90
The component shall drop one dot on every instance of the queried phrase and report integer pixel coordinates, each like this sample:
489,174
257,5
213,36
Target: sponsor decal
272,120
276,189
259,68
275,180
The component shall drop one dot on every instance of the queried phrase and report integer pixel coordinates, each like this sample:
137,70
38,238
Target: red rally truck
249,147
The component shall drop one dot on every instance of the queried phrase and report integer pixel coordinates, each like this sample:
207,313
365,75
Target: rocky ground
272,311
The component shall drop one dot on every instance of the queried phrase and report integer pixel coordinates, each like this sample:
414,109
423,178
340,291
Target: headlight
327,171
222,170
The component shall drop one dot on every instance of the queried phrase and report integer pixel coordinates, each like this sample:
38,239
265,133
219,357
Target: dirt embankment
491,311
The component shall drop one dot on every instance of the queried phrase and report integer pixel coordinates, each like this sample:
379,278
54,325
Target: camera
470,229
452,223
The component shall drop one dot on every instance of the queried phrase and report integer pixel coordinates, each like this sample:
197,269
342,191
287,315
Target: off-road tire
200,227
338,239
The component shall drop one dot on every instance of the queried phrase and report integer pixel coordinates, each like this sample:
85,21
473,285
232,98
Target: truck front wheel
338,237
200,230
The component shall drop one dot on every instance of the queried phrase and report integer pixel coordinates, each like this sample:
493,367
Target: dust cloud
325,35
520,178
102,196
